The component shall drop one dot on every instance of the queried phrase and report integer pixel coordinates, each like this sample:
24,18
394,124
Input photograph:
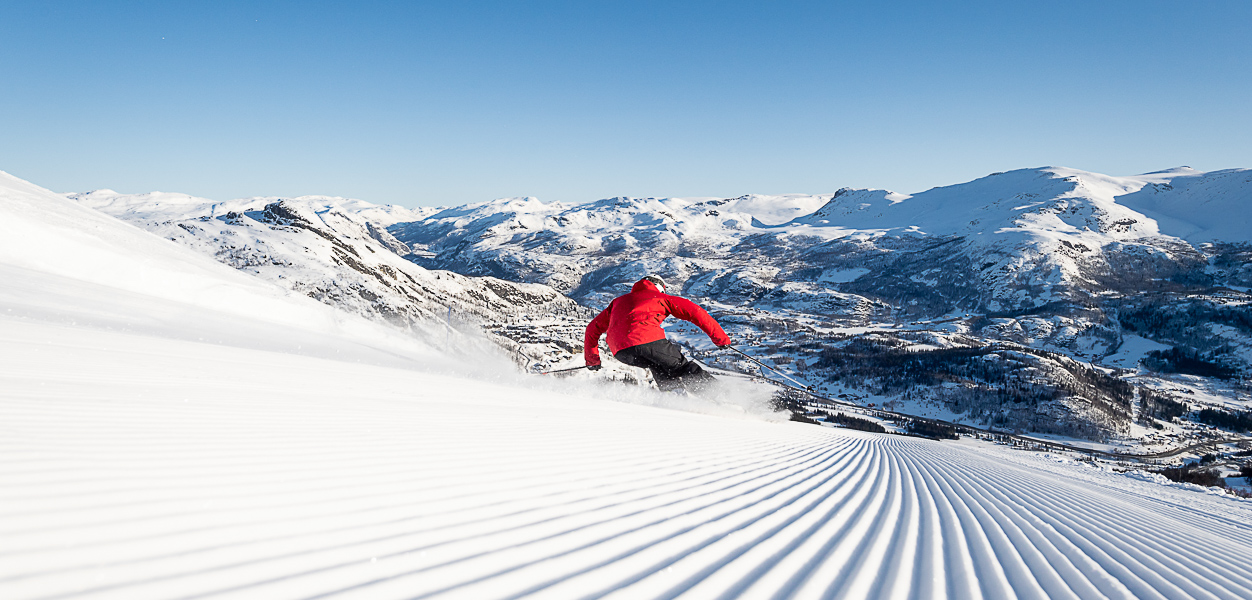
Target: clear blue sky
431,103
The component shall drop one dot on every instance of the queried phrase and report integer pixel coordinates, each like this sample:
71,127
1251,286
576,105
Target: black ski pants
665,359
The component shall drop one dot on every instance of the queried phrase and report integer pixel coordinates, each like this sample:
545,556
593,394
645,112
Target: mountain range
1041,300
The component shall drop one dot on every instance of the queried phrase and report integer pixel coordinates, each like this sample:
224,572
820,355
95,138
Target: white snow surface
170,428
1199,207
1058,201
140,467
1047,202
1133,349
168,204
1042,205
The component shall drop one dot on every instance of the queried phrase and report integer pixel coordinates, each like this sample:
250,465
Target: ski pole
806,387
562,370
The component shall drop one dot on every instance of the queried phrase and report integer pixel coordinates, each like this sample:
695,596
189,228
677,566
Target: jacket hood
643,285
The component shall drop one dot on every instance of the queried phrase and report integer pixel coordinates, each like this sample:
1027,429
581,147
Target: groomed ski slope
139,467
170,428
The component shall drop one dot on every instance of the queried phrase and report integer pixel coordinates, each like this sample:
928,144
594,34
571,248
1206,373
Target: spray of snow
729,397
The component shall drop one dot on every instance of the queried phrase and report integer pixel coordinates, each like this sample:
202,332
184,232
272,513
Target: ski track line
551,498
1080,519
706,549
116,508
1148,536
949,480
831,562
739,533
588,544
1185,513
780,533
427,486
462,532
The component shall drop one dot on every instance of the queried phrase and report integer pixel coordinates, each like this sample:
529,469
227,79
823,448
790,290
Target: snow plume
751,399
478,356
730,396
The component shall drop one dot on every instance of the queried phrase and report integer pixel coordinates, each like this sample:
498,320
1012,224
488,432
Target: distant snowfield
1133,349
170,428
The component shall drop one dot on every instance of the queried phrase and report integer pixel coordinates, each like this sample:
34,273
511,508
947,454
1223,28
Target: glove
724,344
593,367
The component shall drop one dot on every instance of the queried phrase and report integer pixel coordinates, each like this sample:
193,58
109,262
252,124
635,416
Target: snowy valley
317,397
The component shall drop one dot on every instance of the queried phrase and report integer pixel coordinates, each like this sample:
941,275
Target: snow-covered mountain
69,266
338,251
1051,259
1029,237
173,427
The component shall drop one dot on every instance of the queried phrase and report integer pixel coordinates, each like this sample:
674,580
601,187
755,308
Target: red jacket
635,318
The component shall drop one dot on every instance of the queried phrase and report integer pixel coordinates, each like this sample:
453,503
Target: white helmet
657,281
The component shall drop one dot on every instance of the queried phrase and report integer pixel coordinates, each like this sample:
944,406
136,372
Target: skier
635,337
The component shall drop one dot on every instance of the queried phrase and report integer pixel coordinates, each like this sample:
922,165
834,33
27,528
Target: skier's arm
689,311
591,339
